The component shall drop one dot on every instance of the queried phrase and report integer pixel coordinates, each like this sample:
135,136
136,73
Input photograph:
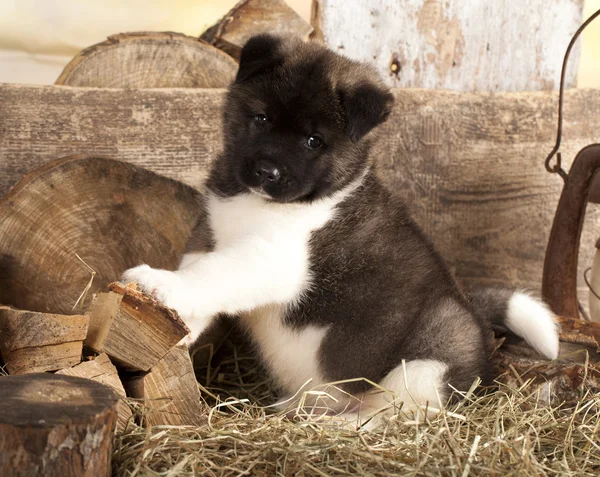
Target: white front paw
161,284
169,288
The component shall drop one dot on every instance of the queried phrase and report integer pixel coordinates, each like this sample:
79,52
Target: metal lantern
581,185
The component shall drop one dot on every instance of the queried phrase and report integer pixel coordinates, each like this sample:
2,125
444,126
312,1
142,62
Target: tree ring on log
150,60
112,214
56,425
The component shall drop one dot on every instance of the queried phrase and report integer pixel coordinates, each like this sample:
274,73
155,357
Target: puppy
318,260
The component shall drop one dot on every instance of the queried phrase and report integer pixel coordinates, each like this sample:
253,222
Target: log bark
135,330
475,182
56,426
150,60
251,17
111,214
171,392
563,380
456,45
101,370
33,342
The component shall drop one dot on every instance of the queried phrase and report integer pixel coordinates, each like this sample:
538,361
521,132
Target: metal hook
557,168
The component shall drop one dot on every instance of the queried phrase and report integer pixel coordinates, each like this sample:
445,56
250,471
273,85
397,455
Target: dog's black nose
266,172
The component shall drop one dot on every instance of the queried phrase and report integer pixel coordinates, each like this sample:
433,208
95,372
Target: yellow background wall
589,65
39,37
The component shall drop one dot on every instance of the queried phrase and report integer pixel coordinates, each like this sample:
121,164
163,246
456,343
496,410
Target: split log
563,380
111,214
135,330
102,370
171,392
251,17
456,45
150,60
56,426
33,342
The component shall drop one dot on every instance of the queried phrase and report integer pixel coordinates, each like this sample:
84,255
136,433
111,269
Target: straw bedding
504,432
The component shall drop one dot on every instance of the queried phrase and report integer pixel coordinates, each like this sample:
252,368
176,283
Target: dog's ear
259,54
366,105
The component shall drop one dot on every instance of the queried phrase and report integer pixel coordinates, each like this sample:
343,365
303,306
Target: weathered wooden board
453,44
173,132
470,165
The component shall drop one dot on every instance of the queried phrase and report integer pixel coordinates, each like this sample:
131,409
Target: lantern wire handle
557,168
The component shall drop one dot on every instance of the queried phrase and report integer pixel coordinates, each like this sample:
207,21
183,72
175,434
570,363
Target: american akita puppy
317,259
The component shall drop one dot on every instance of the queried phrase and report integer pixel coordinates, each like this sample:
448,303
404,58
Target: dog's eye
314,142
260,119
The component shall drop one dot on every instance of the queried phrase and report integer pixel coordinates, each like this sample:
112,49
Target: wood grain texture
173,132
36,342
150,60
251,17
469,164
471,168
171,392
133,329
53,425
563,380
456,45
101,370
112,214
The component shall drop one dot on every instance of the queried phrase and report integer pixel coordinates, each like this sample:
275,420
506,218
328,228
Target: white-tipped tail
534,322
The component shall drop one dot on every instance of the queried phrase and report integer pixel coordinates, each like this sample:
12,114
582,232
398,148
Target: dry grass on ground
503,433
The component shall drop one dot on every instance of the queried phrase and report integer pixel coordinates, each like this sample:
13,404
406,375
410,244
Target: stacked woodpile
70,228
63,315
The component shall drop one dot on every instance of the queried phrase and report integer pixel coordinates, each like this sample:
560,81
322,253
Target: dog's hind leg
413,389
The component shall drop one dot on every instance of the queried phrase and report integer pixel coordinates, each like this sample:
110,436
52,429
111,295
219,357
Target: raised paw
161,284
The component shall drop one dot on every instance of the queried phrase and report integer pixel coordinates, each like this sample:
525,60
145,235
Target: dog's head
297,119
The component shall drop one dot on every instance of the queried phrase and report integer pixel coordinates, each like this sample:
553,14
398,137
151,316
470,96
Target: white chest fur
277,235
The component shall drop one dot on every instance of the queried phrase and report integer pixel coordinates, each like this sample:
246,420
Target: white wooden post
462,45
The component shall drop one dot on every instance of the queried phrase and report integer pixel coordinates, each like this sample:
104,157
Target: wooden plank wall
499,45
470,165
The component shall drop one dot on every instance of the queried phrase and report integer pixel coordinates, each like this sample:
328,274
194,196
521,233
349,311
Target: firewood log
100,369
33,342
132,328
563,380
251,17
112,214
52,425
171,392
150,60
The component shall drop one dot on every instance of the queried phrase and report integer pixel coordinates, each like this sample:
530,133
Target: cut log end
150,60
89,207
54,425
251,17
